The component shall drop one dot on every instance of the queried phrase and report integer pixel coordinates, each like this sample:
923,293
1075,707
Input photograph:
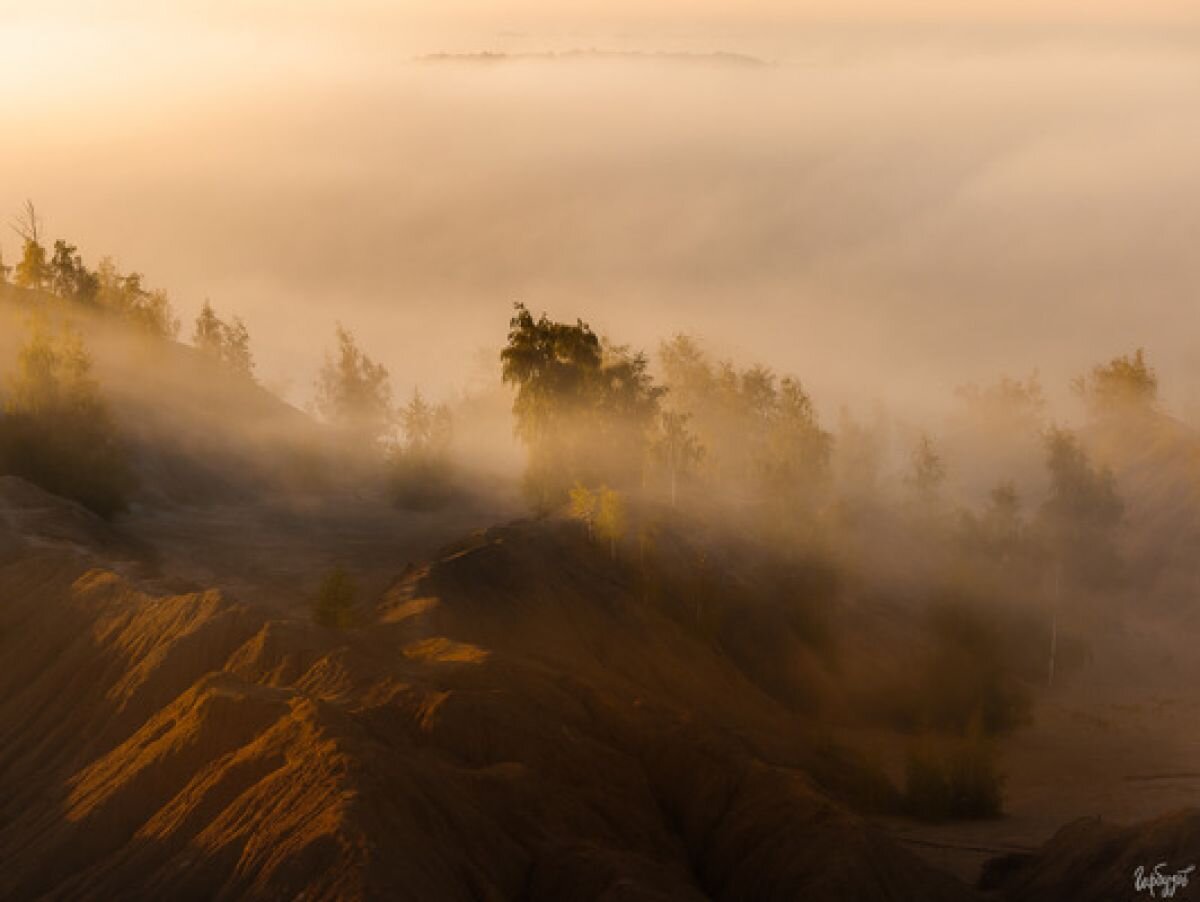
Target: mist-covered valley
564,461
902,210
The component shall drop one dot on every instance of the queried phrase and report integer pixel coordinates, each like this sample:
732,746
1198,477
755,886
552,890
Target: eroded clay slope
515,723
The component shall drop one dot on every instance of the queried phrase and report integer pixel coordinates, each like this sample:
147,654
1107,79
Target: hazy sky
906,198
460,11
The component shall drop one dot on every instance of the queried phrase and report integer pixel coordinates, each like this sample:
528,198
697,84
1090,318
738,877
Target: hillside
514,725
700,709
198,434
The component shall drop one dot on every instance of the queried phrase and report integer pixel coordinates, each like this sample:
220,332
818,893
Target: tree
32,270
583,408
4,269
150,311
420,463
335,602
228,343
1003,515
555,368
796,452
999,533
1124,384
1079,518
110,281
677,448
758,431
27,224
1010,405
610,517
208,333
583,506
859,455
1082,511
237,348
353,393
126,297
57,431
687,372
427,427
69,278
927,472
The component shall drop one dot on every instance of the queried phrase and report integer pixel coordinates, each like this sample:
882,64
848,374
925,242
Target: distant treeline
721,58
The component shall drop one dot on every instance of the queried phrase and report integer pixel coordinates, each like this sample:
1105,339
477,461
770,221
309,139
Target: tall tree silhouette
353,392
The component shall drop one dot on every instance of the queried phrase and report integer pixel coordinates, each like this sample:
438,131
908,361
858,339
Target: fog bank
885,213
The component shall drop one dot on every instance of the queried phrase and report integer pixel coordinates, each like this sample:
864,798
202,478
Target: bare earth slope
515,725
1091,860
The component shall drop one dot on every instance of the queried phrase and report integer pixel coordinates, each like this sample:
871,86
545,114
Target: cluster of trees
603,512
353,394
1075,528
228,343
755,434
591,415
590,412
64,275
1122,386
56,430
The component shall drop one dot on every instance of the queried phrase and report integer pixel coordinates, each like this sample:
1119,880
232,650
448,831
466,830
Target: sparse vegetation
227,343
611,518
66,277
970,677
953,778
56,430
583,505
419,465
126,297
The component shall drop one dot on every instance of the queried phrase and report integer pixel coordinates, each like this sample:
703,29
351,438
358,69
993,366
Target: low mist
586,451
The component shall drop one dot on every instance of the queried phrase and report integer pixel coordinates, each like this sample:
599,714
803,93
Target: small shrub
583,502
610,518
970,674
335,602
956,778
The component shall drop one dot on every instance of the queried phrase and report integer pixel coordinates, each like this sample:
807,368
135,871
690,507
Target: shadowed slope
518,724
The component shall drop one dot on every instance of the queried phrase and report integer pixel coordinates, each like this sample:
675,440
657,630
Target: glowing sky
909,192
